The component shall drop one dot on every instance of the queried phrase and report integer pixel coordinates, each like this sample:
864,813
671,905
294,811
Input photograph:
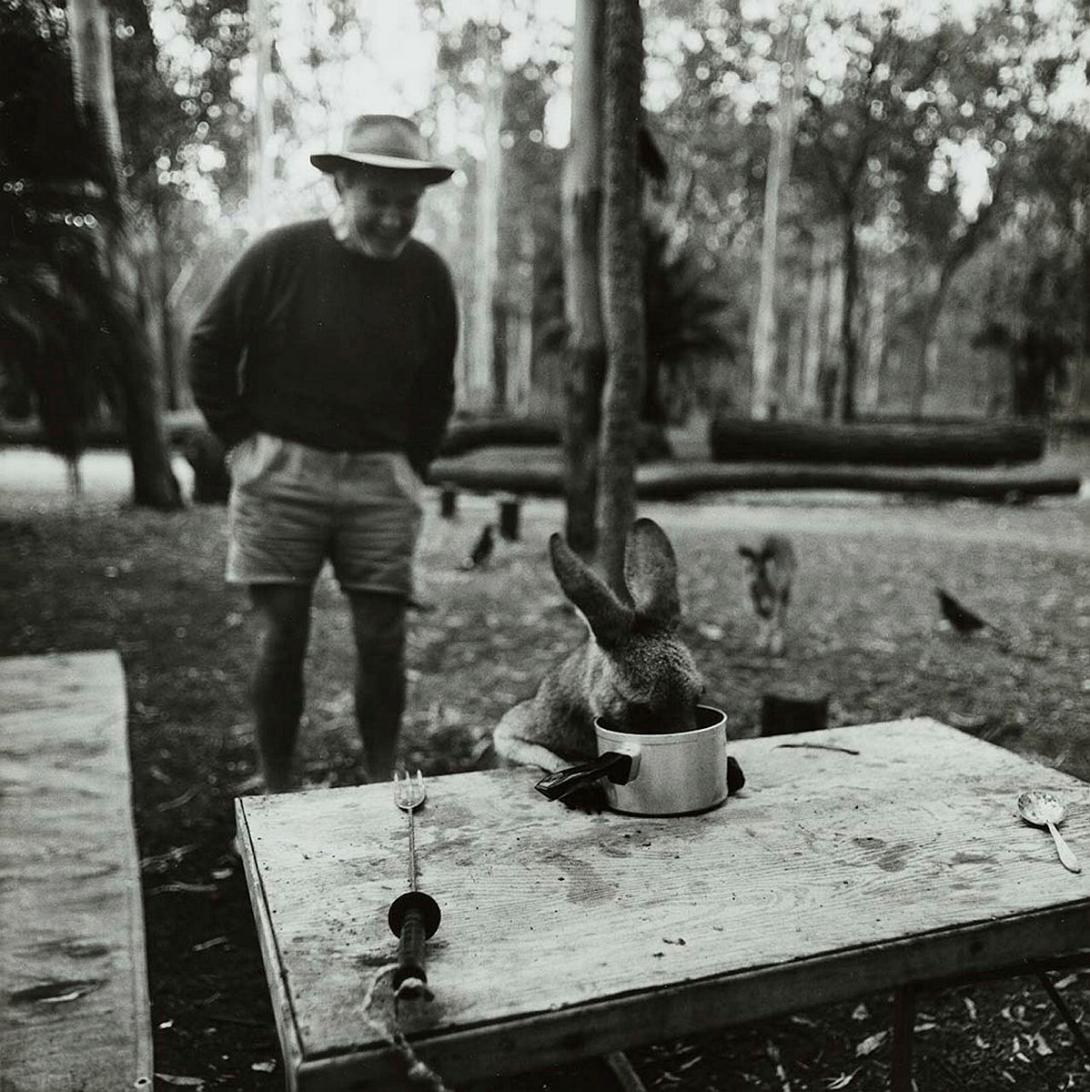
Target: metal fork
409,794
413,916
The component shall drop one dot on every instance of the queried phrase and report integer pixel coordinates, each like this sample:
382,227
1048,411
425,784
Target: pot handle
615,765
735,778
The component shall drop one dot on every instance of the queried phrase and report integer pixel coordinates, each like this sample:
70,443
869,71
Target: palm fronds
63,324
685,318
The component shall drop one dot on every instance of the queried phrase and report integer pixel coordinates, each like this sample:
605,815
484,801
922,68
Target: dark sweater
312,342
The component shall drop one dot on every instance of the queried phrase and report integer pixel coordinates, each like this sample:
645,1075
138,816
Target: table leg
904,1018
627,1078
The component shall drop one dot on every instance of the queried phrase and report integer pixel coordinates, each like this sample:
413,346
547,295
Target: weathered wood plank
75,1011
567,934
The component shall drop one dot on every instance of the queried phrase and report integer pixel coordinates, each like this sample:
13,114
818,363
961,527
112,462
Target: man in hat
324,364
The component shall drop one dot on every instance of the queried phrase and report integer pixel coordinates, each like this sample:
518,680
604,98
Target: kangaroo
633,670
770,570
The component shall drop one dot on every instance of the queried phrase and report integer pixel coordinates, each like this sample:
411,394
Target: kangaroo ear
748,552
609,619
650,573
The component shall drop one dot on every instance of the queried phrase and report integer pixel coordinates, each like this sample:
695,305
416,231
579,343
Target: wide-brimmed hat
386,141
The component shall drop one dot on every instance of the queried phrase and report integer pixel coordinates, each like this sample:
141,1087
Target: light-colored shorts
294,506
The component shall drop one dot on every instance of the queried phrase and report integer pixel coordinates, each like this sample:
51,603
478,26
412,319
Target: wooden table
896,859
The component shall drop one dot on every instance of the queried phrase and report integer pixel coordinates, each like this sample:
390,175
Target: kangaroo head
642,676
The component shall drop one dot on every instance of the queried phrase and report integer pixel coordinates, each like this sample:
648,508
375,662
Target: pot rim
648,739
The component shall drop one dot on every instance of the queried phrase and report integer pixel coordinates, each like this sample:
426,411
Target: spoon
1042,809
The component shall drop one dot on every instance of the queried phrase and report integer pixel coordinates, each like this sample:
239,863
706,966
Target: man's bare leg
283,615
379,624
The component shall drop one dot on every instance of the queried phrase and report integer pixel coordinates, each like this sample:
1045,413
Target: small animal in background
482,550
633,670
962,620
770,569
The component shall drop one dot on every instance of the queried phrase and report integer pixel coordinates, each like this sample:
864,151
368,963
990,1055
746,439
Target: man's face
383,208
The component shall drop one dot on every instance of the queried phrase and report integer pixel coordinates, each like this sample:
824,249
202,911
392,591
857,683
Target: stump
448,501
510,508
790,710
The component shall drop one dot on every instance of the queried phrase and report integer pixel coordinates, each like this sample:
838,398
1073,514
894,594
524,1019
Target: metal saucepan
674,773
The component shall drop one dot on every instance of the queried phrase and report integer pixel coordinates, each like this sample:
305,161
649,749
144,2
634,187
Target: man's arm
434,398
218,344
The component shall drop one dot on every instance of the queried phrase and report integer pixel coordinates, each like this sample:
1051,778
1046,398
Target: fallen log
538,471
471,434
1011,484
180,425
981,443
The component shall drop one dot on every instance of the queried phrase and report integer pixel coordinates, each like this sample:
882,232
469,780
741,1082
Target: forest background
870,209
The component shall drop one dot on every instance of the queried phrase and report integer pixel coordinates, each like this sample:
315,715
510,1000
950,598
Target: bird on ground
482,550
964,621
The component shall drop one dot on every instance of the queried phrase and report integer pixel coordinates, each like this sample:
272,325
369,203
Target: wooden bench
74,1010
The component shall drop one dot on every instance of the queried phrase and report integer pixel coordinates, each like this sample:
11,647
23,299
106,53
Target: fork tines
406,787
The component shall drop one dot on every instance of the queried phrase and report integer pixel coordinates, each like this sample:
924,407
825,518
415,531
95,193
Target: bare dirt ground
864,626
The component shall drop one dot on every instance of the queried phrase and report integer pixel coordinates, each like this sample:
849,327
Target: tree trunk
876,338
481,386
849,346
817,293
582,204
161,320
796,334
261,40
154,483
782,132
833,350
622,277
928,349
520,325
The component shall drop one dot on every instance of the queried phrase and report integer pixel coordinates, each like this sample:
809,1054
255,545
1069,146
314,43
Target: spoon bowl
1042,809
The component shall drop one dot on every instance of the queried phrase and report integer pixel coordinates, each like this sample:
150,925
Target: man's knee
283,615
379,626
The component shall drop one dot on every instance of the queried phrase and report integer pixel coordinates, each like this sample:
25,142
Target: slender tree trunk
817,294
482,389
622,278
833,351
796,333
154,483
520,334
261,40
1080,360
849,346
876,337
175,385
782,132
582,205
922,360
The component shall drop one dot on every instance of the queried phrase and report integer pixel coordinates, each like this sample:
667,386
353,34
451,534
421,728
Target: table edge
642,1017
287,1029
